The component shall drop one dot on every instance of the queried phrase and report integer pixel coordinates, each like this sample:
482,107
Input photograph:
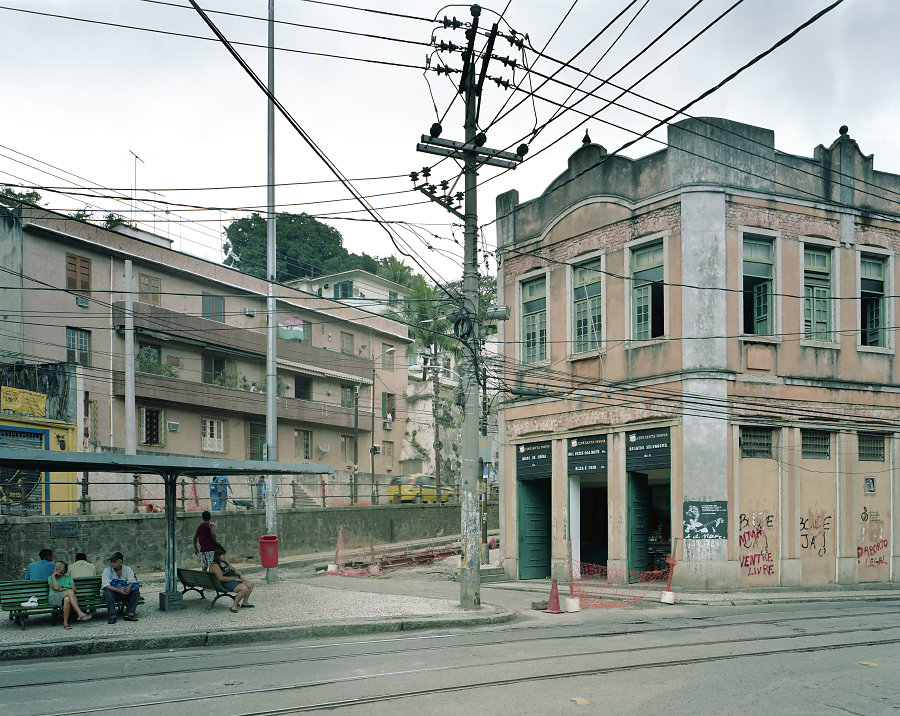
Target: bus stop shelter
169,467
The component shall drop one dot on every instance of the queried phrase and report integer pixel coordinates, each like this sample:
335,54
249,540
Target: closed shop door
534,529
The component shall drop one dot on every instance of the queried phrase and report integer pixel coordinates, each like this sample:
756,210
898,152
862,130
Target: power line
210,39
288,23
394,237
682,110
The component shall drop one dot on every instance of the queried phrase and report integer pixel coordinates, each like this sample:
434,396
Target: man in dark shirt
205,541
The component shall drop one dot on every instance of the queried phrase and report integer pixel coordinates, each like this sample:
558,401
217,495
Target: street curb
184,640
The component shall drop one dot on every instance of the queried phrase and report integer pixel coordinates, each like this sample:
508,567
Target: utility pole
470,573
473,153
271,303
434,409
355,474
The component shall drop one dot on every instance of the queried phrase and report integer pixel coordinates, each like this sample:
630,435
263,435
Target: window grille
151,425
303,444
257,441
756,442
871,446
816,444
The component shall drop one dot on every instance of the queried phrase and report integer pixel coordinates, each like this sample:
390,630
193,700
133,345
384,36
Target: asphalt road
820,658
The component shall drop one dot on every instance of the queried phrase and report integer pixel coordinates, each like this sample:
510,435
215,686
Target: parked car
419,488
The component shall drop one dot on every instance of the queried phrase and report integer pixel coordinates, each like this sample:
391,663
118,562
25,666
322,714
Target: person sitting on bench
62,594
232,580
43,569
119,585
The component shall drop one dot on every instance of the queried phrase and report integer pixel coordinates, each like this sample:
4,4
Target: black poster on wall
706,520
533,460
647,449
587,454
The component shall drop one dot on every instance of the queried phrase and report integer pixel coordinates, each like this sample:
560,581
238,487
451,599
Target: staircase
493,574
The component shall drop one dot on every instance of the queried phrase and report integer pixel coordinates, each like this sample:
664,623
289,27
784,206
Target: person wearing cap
232,580
81,567
119,585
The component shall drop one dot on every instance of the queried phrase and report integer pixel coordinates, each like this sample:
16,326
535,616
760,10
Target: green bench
195,580
14,593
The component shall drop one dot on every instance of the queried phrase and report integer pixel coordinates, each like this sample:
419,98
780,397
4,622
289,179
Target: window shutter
78,274
71,272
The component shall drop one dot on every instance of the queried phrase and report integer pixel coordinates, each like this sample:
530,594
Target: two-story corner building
200,348
705,363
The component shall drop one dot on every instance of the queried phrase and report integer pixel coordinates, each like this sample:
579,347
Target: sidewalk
303,604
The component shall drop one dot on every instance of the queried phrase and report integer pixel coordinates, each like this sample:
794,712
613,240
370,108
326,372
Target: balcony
160,389
166,325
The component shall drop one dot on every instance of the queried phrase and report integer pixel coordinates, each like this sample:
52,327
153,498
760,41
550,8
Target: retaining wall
141,537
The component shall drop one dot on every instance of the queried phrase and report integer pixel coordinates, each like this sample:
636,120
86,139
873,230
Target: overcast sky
82,97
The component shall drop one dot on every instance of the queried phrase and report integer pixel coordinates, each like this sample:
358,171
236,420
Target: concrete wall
141,538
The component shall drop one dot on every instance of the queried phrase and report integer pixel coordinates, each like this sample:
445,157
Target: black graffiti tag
814,532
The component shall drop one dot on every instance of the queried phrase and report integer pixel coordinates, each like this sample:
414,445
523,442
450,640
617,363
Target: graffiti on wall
814,529
871,546
753,542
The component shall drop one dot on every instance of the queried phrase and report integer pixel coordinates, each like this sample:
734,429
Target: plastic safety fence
600,587
355,556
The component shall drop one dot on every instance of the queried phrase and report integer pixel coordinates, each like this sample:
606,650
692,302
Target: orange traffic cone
553,604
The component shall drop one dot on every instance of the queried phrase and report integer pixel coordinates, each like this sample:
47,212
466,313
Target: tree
305,247
12,198
393,269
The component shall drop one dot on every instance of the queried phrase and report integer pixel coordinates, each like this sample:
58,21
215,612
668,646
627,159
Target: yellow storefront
23,425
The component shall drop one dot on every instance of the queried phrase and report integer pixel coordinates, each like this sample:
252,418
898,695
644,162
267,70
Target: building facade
702,361
199,349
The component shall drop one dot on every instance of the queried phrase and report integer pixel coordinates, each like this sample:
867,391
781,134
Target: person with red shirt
205,541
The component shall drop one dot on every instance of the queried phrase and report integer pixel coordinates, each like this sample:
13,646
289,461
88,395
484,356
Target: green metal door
638,508
534,529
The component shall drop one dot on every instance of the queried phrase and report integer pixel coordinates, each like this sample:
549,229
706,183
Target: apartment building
704,364
199,346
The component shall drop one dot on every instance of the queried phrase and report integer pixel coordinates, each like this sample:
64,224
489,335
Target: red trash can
268,551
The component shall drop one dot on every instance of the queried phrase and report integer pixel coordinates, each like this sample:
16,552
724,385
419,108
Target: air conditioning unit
251,312
173,427
387,425
82,301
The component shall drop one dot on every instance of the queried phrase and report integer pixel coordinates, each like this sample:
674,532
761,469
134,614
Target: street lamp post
372,434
